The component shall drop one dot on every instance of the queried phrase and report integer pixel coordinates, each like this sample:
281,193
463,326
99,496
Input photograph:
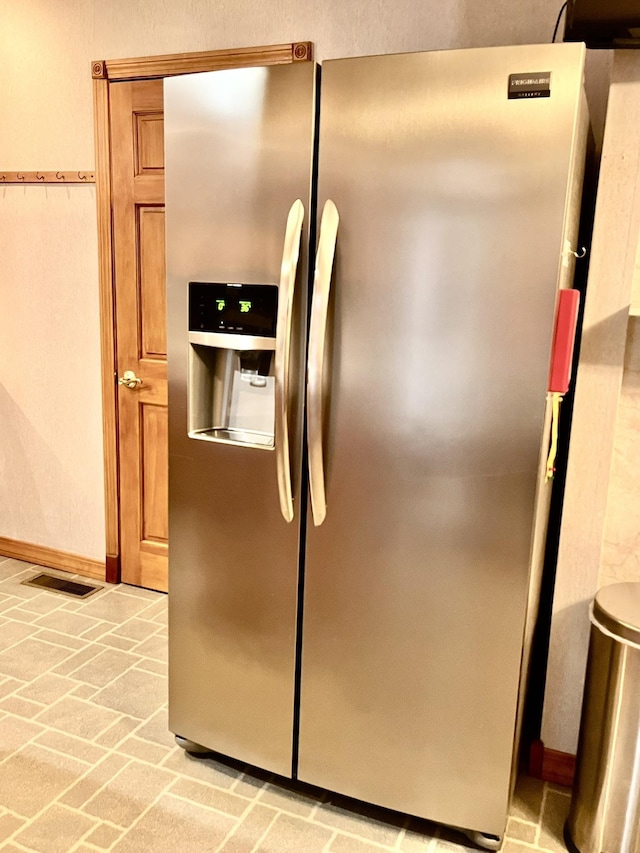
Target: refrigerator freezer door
452,199
239,147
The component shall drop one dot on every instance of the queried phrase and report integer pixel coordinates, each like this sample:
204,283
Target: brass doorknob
129,379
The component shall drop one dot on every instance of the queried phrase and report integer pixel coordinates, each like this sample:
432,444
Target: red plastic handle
563,341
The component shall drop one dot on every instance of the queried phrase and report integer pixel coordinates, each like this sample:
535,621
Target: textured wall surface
50,440
621,548
46,48
51,489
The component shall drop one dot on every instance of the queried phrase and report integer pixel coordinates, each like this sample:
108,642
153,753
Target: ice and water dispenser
232,342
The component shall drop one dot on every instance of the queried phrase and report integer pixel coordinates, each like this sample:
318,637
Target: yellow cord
556,399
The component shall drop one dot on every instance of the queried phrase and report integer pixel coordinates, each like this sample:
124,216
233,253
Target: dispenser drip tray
235,436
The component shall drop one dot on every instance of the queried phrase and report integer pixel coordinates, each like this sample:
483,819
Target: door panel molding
104,74
151,296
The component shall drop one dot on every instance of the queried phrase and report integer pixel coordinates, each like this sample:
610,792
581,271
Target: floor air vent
56,584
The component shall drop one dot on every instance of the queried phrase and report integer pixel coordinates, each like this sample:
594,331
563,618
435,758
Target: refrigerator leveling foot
191,747
481,839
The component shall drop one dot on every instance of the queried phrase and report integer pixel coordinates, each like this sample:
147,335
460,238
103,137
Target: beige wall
621,548
620,559
46,47
50,434
50,440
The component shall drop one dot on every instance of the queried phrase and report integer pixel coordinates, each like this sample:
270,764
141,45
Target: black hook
60,176
82,177
39,177
20,176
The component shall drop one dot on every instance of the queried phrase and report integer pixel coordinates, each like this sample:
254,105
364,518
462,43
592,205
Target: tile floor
87,762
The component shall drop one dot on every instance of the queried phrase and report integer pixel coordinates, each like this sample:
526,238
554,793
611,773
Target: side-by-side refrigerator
358,412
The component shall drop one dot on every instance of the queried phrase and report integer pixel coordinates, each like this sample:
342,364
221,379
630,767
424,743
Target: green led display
245,306
220,304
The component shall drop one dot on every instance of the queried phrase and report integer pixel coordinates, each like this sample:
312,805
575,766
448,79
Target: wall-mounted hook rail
40,177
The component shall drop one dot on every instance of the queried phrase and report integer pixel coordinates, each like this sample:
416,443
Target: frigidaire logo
531,81
532,85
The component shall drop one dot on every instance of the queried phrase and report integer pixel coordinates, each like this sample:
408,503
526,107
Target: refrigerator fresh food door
451,191
239,150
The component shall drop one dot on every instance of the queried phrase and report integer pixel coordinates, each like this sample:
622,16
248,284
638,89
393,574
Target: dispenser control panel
242,309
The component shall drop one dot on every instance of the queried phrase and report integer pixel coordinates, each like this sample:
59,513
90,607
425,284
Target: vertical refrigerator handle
317,336
286,289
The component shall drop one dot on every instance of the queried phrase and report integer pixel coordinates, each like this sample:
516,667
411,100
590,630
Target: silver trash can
605,807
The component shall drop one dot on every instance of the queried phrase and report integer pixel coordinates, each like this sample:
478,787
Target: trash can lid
617,609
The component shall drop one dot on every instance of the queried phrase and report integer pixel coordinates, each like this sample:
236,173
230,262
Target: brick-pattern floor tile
87,761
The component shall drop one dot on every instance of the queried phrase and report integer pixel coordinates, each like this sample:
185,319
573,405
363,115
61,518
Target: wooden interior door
128,100
137,175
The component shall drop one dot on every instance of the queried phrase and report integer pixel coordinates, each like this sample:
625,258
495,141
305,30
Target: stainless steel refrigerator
374,639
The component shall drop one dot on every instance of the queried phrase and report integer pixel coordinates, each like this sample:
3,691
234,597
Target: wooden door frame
105,72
